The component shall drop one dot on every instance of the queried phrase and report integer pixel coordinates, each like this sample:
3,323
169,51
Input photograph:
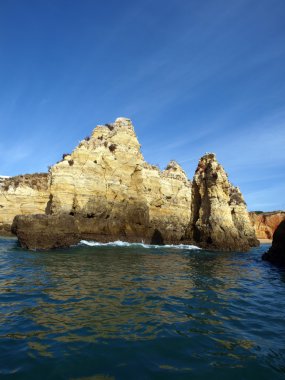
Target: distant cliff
265,223
22,195
104,190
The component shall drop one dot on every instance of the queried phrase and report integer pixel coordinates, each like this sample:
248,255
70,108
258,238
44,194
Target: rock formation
265,223
111,193
219,218
104,190
276,253
22,195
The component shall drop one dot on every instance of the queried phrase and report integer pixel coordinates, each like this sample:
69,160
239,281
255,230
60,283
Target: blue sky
194,76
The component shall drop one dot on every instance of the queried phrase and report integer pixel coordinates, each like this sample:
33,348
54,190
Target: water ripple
124,312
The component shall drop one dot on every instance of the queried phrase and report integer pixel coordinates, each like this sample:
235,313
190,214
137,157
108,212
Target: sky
194,76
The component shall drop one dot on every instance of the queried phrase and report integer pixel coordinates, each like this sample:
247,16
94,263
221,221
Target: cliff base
58,231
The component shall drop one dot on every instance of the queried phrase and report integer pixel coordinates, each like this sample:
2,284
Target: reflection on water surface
146,313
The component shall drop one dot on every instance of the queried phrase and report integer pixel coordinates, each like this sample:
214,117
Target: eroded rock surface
22,195
219,218
112,193
276,253
105,191
265,223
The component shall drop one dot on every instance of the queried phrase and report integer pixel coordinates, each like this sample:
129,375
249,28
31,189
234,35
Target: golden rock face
106,177
219,216
22,195
111,193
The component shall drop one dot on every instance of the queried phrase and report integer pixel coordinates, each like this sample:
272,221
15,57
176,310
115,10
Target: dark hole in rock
209,240
157,238
112,147
196,234
48,206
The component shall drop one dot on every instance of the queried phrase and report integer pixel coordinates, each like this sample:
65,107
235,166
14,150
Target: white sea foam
120,243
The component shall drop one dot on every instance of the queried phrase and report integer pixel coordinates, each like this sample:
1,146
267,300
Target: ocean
135,311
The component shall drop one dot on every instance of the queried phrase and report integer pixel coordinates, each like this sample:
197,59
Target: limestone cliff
22,195
112,193
104,190
265,223
219,217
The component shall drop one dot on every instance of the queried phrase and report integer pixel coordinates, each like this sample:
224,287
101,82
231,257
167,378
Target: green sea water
140,312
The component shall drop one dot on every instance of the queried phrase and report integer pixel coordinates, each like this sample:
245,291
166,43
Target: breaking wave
120,243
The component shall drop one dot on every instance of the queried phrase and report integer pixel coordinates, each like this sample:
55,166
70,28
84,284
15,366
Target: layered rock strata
265,223
104,190
111,193
22,195
276,253
219,217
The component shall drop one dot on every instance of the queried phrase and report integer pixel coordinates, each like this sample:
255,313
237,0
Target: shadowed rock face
276,253
105,191
58,231
219,218
43,231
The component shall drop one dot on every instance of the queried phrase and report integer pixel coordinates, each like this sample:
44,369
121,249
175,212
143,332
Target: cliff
219,218
112,193
104,190
22,195
265,223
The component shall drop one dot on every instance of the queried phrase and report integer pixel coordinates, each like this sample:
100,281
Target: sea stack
219,218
